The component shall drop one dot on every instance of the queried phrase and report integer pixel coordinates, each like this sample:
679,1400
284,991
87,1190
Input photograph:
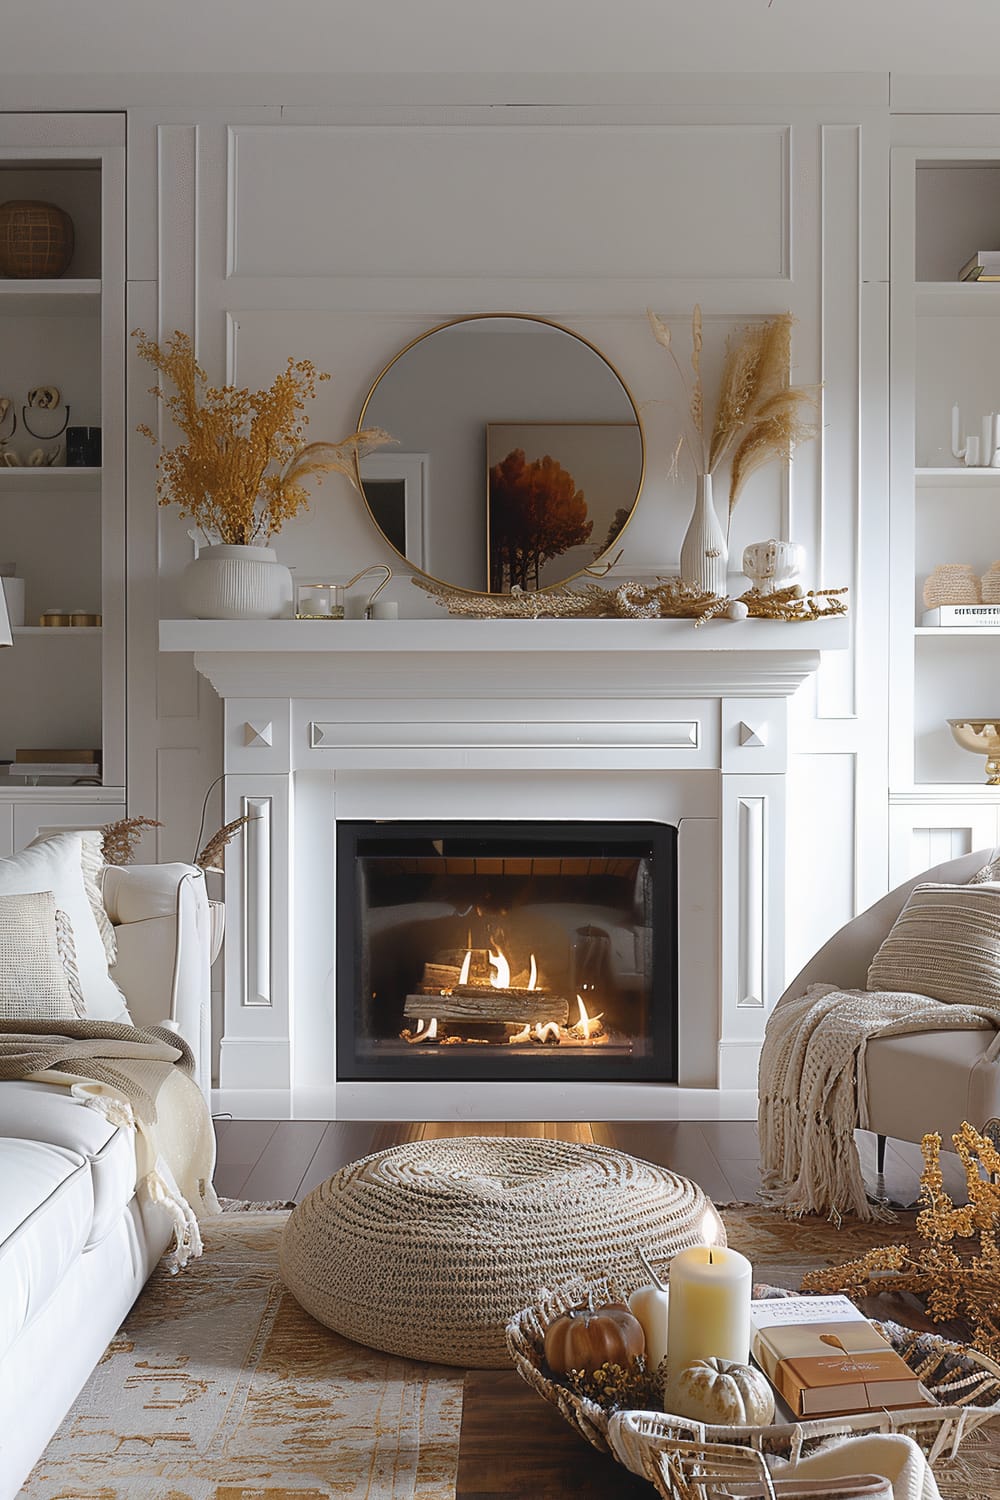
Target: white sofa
919,1081
75,1245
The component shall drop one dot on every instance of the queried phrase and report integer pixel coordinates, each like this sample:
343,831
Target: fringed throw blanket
811,1079
141,1077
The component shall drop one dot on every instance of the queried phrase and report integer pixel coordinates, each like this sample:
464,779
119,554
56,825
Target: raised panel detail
257,989
612,201
750,811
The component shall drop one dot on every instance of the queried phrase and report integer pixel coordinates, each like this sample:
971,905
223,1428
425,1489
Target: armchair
918,1081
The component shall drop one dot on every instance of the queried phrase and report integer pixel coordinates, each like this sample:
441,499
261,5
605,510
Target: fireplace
506,951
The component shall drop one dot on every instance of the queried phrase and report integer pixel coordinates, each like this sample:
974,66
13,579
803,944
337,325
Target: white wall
343,234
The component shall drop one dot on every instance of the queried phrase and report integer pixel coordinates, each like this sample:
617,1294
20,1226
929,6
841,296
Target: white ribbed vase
230,582
704,553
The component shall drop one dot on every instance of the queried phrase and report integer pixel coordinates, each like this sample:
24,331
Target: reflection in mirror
519,457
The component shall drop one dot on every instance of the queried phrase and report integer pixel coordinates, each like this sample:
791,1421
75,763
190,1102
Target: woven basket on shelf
428,1249
677,1455
36,239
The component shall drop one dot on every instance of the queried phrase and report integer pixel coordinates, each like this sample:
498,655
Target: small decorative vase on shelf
231,582
704,553
772,564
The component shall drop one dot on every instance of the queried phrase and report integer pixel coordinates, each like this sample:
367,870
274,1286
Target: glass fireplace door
502,951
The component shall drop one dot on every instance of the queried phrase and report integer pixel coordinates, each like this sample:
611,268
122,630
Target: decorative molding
258,734
536,735
752,902
257,870
753,736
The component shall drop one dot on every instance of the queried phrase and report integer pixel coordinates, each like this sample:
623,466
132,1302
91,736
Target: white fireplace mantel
526,719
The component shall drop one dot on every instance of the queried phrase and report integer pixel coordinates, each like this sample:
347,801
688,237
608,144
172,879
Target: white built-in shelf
975,478
30,480
960,630
56,630
973,299
65,791
58,298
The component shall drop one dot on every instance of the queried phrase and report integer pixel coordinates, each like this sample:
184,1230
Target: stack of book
825,1358
72,765
983,266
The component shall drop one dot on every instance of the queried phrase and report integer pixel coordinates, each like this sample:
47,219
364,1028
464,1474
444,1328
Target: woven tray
677,1455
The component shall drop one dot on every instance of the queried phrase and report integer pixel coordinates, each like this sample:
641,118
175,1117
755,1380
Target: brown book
61,757
834,1365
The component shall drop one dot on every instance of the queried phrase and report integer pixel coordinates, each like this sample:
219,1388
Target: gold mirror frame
527,318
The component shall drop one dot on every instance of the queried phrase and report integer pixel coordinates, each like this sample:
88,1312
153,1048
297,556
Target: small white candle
956,434
650,1304
709,1315
385,609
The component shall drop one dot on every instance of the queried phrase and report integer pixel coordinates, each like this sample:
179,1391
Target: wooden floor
284,1159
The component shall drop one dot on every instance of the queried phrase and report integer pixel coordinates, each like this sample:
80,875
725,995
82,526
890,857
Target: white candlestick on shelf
709,1315
956,432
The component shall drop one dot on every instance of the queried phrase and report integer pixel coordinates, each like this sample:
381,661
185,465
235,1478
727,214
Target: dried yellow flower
238,473
951,1284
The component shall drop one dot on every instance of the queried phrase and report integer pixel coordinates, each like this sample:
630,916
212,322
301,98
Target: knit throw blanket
811,1079
139,1078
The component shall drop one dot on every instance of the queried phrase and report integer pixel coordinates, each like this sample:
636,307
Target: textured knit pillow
38,980
989,874
945,943
56,864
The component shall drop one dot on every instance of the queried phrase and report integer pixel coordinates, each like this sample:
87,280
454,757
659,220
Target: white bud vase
230,582
704,553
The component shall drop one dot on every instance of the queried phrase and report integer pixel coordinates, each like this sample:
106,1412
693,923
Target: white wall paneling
747,210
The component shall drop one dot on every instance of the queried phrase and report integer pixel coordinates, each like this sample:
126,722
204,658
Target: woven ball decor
427,1250
36,239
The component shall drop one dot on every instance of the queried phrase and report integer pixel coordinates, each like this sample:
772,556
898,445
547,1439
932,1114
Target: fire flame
533,976
550,1028
587,1023
501,979
463,978
523,1035
426,1036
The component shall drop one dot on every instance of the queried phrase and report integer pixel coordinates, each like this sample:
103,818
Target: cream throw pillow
93,866
37,963
56,864
945,943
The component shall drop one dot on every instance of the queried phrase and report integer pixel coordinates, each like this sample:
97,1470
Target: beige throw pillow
989,874
945,943
38,980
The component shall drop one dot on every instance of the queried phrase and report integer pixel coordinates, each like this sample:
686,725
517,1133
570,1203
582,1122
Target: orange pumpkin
590,1337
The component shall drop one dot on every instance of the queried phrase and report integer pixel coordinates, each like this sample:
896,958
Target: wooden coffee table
515,1444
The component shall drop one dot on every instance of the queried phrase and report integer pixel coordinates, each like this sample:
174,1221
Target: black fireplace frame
453,1064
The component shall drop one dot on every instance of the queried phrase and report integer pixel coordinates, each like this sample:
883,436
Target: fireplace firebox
506,951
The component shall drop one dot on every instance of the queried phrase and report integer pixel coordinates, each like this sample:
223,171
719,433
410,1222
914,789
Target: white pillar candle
956,432
709,1315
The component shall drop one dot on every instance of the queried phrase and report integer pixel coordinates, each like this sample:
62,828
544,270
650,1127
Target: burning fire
463,977
533,976
501,979
586,1027
587,1024
422,1033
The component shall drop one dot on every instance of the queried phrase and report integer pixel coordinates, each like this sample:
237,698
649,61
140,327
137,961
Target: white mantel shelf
349,636
668,658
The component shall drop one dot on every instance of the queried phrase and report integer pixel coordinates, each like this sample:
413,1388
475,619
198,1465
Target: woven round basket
428,1249
36,239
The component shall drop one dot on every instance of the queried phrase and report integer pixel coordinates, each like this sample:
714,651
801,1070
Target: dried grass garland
667,599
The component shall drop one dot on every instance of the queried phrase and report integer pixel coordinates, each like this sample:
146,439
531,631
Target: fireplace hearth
501,951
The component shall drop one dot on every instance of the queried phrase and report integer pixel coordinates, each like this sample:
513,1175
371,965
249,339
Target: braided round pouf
428,1249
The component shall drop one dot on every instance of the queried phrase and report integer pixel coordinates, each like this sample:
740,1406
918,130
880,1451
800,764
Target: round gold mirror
519,454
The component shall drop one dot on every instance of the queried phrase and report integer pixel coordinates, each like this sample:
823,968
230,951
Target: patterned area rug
219,1387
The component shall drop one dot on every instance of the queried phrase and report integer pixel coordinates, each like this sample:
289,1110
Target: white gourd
722,1393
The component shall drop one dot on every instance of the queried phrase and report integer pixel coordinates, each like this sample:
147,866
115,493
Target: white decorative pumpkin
722,1393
